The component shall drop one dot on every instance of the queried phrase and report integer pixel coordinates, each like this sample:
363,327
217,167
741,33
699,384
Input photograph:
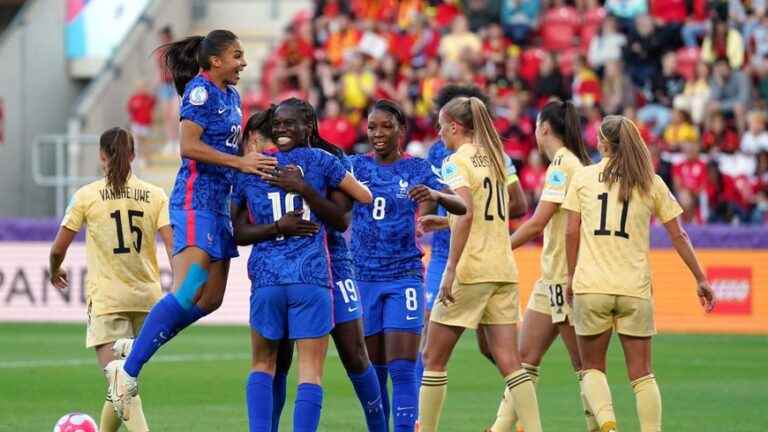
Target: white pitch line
83,361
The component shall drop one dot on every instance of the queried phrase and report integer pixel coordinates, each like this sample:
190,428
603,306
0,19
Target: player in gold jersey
123,215
558,135
607,243
479,284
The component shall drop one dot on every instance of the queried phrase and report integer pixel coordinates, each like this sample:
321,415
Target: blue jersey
201,186
341,259
384,232
441,239
292,259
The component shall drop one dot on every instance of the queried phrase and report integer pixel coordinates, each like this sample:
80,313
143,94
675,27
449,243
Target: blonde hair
471,114
630,161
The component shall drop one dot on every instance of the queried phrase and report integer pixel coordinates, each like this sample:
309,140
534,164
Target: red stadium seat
687,59
590,25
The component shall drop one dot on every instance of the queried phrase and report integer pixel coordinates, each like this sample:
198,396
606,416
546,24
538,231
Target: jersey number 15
121,247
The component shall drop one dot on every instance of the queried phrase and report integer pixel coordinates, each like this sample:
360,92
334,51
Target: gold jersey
487,255
554,267
123,274
614,246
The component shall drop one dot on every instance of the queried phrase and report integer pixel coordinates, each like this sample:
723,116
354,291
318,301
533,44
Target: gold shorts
597,313
480,303
548,298
107,328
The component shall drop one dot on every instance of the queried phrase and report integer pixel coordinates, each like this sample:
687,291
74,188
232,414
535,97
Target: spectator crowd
693,74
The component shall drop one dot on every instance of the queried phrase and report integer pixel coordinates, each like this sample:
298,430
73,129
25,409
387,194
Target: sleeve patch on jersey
198,95
557,178
449,170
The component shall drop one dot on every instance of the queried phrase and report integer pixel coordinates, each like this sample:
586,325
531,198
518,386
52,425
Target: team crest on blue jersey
403,193
198,95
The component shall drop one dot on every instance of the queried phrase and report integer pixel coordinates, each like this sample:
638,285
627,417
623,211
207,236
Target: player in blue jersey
204,70
387,259
289,265
348,330
441,239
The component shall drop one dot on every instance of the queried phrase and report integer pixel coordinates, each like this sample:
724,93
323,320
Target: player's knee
635,372
434,361
530,356
187,291
356,360
210,301
263,364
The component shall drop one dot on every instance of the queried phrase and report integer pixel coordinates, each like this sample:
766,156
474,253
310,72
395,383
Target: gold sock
533,372
109,421
434,386
592,425
505,415
136,421
648,399
524,402
594,383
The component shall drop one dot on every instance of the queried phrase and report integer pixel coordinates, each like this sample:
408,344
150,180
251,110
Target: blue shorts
295,311
396,305
432,280
211,232
346,301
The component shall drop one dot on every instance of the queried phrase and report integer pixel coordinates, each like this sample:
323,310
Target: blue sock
279,390
306,413
381,372
367,388
405,394
419,369
259,398
159,327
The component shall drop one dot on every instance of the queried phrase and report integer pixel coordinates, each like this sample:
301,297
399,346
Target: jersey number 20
488,186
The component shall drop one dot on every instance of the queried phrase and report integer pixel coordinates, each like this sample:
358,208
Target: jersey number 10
277,208
121,247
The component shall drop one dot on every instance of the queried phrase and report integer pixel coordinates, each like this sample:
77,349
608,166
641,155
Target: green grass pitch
709,383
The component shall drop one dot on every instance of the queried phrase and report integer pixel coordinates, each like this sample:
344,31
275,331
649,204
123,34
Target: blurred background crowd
693,75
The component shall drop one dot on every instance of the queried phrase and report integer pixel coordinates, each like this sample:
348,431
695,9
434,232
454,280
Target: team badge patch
198,95
556,178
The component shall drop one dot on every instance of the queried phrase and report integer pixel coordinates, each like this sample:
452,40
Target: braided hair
309,115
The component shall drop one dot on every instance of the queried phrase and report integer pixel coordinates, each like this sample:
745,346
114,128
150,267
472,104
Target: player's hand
446,285
292,224
429,223
421,193
706,295
59,280
289,179
569,292
257,163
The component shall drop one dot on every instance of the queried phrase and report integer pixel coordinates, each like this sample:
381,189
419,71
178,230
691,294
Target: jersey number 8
277,209
379,208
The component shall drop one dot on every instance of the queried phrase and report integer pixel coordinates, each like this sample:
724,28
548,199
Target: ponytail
186,57
117,146
564,120
472,114
630,161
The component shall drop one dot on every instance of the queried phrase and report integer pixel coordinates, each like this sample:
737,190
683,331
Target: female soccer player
441,238
558,134
387,259
288,268
123,215
479,284
199,207
347,313
610,208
